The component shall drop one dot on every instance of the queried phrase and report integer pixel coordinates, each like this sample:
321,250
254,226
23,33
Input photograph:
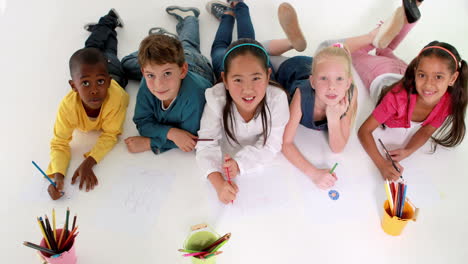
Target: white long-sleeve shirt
251,152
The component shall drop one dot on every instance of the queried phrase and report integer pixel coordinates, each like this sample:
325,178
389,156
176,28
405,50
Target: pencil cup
68,256
200,239
394,225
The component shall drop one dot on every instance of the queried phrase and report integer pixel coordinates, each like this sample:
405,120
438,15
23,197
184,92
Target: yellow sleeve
112,126
59,145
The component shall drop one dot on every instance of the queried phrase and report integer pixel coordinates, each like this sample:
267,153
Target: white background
37,39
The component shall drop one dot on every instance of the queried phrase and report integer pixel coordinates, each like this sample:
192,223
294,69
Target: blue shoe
182,12
161,31
217,8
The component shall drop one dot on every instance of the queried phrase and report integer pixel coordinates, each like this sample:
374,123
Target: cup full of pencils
57,245
204,244
398,209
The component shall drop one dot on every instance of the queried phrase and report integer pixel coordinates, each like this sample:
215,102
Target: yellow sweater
71,115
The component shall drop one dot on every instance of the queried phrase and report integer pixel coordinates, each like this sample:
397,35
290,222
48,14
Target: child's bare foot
390,29
288,20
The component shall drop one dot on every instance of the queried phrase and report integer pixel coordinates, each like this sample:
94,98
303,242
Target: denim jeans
104,38
292,70
223,36
189,36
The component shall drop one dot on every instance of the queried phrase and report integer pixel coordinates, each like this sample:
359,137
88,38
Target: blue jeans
104,38
223,36
292,70
189,36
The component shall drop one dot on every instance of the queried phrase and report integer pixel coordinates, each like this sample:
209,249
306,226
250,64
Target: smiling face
246,82
433,77
164,80
91,83
331,80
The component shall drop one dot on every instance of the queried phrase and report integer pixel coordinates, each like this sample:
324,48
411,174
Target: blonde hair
338,50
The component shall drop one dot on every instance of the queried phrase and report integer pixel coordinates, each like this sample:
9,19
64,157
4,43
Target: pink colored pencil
195,254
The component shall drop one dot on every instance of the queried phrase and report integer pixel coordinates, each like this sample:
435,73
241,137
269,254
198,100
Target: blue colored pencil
45,175
403,198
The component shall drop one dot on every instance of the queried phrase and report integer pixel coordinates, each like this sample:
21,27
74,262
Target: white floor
299,224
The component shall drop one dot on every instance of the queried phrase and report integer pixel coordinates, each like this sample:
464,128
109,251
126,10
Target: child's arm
227,191
321,177
59,145
367,140
417,140
339,129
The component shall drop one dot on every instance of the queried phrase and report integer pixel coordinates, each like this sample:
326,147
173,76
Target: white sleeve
209,156
252,156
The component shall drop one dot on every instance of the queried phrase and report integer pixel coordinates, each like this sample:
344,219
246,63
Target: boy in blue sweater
171,98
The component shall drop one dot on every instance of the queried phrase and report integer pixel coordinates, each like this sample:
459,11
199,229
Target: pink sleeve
386,108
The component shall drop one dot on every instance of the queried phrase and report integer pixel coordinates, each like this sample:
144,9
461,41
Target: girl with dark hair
244,114
431,91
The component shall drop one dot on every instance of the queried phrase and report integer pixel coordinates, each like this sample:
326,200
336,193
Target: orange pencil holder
394,225
68,256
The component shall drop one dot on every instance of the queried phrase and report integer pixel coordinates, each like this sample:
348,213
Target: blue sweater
184,112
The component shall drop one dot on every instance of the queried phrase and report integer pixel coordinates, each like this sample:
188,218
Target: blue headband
247,44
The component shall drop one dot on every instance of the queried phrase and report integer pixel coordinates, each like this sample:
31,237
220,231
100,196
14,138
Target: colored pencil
389,157
213,254
204,139
45,175
334,167
63,232
229,178
195,254
50,233
389,194
69,238
66,223
53,224
217,242
403,198
41,226
219,246
189,251
74,222
37,247
395,202
392,189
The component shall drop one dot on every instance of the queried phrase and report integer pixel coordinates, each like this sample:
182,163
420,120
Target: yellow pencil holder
394,225
200,237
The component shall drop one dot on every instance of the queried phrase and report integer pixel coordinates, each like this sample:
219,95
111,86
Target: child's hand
138,144
183,139
231,165
85,171
227,191
389,172
334,112
56,193
324,179
399,154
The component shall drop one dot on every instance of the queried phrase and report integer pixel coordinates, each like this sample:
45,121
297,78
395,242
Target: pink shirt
393,110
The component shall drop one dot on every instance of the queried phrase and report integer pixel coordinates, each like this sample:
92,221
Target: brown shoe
390,29
288,20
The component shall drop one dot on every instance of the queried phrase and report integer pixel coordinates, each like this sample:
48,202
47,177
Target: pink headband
444,49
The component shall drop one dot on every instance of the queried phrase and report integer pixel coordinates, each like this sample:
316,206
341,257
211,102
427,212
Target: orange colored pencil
69,237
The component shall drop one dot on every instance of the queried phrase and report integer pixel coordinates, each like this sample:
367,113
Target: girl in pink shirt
432,90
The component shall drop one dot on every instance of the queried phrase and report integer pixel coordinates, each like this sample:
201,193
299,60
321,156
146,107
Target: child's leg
104,37
221,41
131,66
275,48
189,35
388,52
244,23
292,70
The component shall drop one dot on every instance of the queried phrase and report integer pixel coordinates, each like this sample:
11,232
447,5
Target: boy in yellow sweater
96,102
